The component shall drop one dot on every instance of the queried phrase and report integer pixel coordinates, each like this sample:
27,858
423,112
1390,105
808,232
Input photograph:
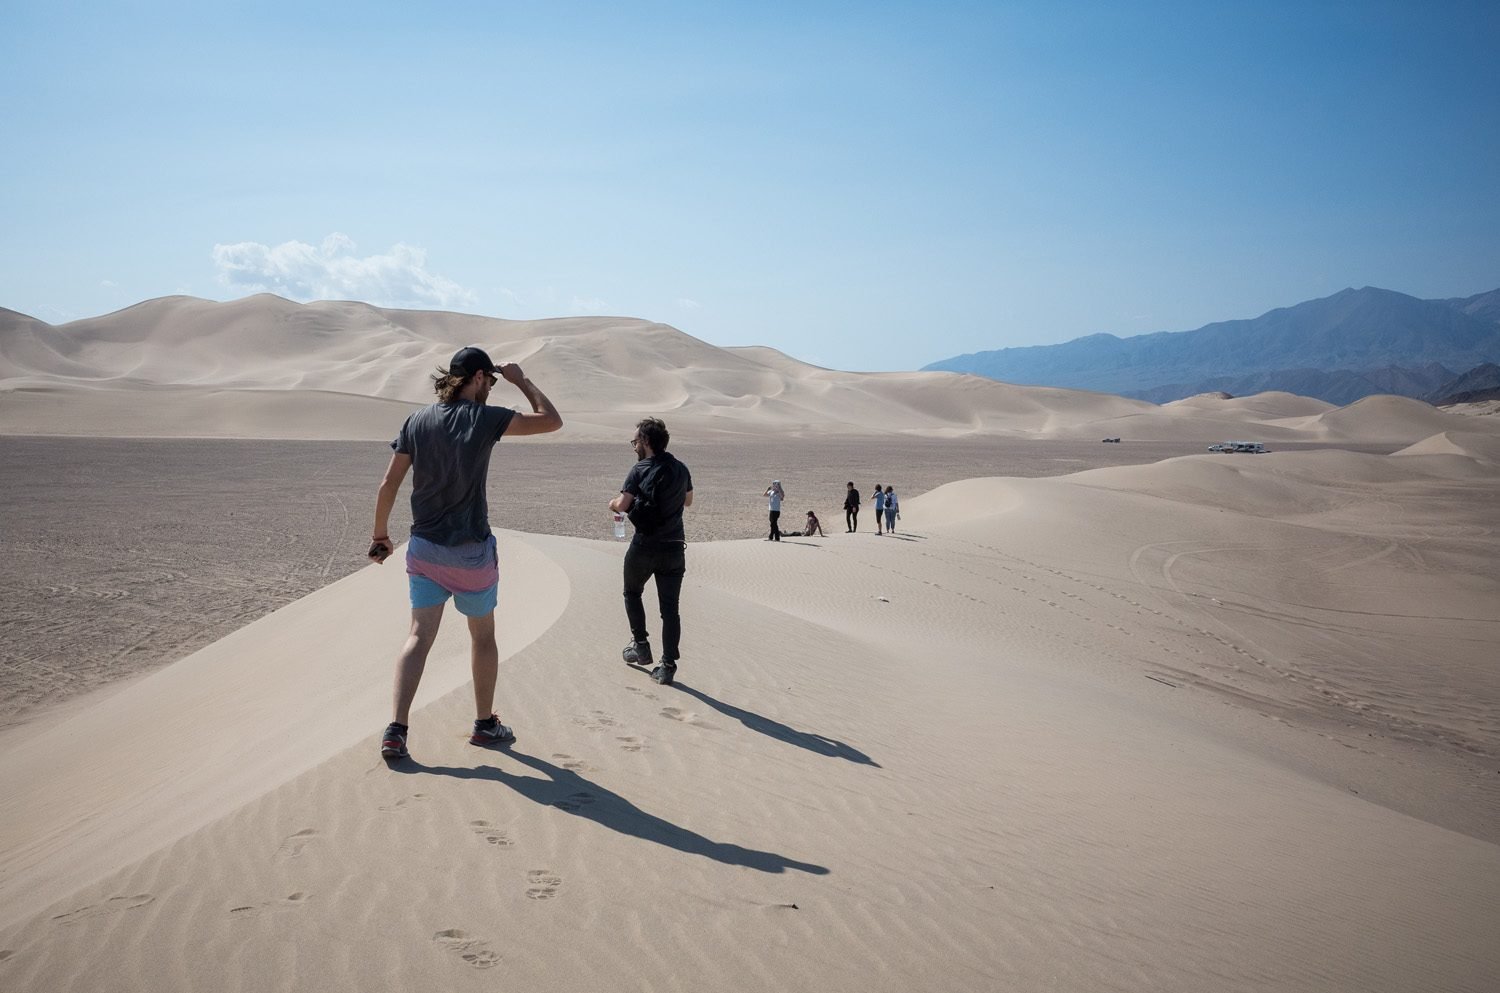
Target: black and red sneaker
491,732
393,743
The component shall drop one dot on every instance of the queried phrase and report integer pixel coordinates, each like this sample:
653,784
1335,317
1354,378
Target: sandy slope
219,728
929,761
268,367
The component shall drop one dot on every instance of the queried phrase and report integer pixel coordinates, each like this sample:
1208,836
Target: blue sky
865,186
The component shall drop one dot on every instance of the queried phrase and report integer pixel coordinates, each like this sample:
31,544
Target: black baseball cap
467,361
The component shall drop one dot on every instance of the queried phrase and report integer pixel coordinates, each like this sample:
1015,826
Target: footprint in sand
629,743
113,905
597,720
677,714
473,951
645,693
544,884
490,833
569,762
5,953
294,845
574,801
250,910
404,802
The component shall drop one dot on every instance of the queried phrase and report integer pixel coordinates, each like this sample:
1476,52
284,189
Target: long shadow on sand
568,791
822,744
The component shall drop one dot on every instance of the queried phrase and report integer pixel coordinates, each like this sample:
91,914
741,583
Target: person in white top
775,494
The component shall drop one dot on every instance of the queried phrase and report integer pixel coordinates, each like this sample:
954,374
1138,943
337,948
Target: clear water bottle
620,526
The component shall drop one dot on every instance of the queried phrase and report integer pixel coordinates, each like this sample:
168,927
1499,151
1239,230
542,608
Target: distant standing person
879,507
851,509
775,494
892,509
452,551
653,496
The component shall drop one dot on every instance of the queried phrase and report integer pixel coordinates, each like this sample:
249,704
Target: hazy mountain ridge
1352,344
1480,383
1485,306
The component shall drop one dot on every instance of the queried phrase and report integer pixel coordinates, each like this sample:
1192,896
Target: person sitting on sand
813,526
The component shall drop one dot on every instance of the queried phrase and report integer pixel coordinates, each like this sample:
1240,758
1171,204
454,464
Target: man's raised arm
544,418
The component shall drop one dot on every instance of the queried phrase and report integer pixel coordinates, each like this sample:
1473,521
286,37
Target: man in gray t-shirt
452,552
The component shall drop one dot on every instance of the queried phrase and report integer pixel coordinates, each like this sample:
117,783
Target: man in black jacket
653,496
851,508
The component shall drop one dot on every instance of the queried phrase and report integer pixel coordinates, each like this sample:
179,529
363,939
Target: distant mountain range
1341,348
1479,383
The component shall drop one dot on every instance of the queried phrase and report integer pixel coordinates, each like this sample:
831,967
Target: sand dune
178,749
178,366
1216,723
1477,445
1271,405
1390,417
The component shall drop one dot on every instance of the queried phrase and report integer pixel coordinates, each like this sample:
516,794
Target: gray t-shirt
449,445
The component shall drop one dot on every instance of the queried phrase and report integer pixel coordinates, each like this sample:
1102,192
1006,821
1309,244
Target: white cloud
583,305
333,271
688,303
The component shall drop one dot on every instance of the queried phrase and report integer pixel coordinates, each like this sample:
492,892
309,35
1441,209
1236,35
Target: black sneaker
491,732
637,653
393,743
663,673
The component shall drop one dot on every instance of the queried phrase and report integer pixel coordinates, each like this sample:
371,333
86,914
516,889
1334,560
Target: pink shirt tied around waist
468,568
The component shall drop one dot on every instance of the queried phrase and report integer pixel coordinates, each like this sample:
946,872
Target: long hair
448,386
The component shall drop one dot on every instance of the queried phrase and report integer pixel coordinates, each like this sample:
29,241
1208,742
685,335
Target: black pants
775,534
668,563
851,518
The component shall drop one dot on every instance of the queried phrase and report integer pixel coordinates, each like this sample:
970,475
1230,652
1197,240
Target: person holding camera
452,553
774,495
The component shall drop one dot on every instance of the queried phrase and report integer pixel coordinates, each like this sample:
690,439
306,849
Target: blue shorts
426,593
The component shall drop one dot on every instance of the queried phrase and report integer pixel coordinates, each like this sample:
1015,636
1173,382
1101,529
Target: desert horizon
267,367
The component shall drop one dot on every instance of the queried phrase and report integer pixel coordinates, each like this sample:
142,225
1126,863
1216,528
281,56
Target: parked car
1248,447
1111,441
